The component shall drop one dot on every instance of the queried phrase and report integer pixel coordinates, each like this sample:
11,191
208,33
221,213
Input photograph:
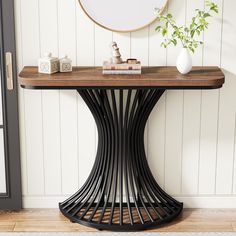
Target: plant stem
173,26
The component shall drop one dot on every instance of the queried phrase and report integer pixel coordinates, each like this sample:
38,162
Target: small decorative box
65,64
48,64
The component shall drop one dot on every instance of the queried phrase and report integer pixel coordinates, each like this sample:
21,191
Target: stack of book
121,69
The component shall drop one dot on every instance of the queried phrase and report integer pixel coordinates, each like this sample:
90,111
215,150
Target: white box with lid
65,64
48,64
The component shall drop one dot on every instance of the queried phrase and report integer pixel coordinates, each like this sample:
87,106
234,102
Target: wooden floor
45,220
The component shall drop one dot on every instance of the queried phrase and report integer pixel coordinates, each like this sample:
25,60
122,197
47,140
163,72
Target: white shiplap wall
190,135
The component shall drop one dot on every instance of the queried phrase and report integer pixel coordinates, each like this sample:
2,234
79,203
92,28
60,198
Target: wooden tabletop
91,77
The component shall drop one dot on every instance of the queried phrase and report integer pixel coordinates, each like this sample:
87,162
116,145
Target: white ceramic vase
184,61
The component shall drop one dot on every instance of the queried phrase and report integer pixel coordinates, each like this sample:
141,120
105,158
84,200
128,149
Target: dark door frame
13,198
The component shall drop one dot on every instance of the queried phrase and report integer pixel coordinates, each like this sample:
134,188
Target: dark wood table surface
166,77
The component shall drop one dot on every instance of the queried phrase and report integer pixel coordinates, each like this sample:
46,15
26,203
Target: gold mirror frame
122,31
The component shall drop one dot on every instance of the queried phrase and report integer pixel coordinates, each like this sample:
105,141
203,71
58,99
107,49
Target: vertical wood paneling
213,38
33,99
156,125
86,124
124,43
173,146
208,142
102,40
174,115
191,134
50,101
102,50
139,45
178,9
226,133
67,28
190,12
156,141
191,120
51,141
87,145
69,141
30,32
139,50
48,28
157,54
228,36
209,110
34,142
85,38
191,148
234,163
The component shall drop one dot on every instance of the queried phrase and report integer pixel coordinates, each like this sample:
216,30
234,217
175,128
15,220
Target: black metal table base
121,193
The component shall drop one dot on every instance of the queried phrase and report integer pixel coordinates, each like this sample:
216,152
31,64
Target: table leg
121,193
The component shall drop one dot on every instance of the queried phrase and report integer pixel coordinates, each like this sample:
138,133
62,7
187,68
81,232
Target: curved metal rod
150,176
92,175
116,157
92,185
121,166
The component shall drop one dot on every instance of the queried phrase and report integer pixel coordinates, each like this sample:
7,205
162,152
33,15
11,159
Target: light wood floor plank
50,226
51,220
6,226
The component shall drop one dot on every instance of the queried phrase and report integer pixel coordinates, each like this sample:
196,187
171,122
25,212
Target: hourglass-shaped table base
121,192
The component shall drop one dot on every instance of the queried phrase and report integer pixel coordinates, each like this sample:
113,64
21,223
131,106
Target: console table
121,193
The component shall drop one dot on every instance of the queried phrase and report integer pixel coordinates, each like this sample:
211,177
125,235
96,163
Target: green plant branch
186,34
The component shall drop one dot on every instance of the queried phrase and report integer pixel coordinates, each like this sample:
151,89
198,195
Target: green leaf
191,49
164,31
174,41
192,33
206,15
186,34
192,26
215,10
158,28
186,29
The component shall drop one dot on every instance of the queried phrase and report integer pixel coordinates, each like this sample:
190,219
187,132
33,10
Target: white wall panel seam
41,97
217,138
23,91
199,144
219,96
164,171
232,187
222,31
182,146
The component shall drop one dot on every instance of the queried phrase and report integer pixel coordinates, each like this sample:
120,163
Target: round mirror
122,15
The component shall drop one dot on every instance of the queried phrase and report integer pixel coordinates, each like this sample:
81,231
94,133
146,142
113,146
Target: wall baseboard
189,201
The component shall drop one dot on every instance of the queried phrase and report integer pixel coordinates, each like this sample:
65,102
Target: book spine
121,72
122,68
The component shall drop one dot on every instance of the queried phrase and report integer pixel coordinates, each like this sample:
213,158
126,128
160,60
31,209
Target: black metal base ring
121,193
